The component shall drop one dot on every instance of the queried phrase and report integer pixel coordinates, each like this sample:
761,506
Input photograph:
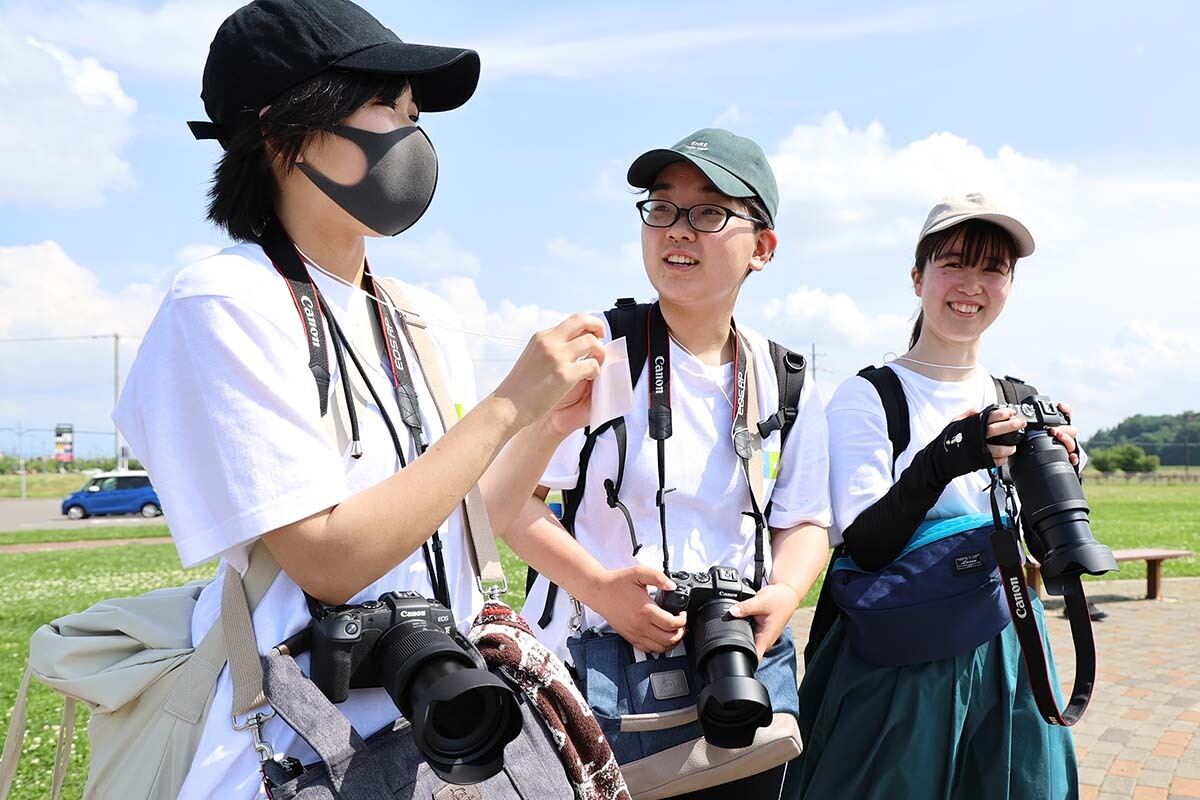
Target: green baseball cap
736,165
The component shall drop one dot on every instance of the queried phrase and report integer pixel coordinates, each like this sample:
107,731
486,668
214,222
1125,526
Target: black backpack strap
279,248
630,319
789,375
895,407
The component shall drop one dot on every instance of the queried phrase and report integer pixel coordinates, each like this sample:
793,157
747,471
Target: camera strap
747,445
290,263
1006,544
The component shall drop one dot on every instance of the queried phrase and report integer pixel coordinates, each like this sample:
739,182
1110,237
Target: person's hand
573,411
553,363
1067,435
770,611
622,598
1003,421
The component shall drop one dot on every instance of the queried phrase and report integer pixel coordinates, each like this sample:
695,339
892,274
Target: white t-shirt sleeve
221,408
801,493
563,470
860,454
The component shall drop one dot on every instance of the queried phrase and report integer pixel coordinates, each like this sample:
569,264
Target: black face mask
401,178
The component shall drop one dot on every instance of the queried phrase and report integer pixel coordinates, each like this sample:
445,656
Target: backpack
630,319
912,565
895,408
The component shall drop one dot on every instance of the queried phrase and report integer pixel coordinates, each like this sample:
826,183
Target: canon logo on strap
1014,585
658,374
741,393
310,314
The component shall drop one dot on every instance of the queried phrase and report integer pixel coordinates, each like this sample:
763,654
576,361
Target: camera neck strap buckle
254,723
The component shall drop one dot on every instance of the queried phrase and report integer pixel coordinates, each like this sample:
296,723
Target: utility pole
116,394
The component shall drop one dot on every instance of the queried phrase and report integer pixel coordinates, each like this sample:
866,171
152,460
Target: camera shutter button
351,628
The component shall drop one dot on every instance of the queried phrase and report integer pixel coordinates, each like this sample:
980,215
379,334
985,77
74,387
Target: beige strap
241,648
660,721
485,558
62,750
753,416
15,738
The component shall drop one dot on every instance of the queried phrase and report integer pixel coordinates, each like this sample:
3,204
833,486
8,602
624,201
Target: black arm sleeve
881,531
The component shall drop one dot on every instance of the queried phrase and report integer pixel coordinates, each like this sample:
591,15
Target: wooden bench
1154,559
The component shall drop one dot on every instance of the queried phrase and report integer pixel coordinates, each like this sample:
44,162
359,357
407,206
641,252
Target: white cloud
613,47
66,123
44,293
171,39
731,117
813,313
434,254
1109,291
495,335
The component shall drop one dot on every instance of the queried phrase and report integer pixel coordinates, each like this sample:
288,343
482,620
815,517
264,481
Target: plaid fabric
508,645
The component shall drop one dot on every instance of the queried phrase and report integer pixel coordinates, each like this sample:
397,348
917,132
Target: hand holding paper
612,391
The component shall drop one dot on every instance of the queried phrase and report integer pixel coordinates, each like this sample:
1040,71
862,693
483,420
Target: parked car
127,492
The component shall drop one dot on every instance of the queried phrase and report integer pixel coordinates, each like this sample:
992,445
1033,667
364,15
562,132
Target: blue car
114,493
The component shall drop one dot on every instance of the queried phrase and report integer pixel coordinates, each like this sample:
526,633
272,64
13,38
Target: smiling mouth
680,261
965,309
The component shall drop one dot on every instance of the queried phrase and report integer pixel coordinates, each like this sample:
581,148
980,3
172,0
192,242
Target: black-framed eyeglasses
704,218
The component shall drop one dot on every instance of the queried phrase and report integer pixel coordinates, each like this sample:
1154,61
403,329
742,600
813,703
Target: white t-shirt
860,454
222,409
705,522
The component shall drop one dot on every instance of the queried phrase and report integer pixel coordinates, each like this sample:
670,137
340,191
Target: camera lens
733,703
1055,510
462,716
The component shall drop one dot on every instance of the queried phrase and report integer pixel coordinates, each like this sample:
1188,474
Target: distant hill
1174,438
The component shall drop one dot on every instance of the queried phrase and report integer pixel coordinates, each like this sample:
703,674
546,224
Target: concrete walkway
1140,737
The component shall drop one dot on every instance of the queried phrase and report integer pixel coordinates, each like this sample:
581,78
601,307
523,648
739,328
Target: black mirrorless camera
461,714
1053,507
733,703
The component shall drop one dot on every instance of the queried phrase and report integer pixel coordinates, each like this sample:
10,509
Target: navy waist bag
941,597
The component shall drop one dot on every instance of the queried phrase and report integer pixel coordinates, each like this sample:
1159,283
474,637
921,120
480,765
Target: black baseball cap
737,166
267,47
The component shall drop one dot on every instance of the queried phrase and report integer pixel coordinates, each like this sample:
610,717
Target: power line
68,338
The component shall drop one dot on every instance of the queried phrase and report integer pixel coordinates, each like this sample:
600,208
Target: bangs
978,241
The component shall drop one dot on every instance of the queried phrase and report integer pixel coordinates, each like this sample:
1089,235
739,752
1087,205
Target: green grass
84,534
39,587
43,484
1147,515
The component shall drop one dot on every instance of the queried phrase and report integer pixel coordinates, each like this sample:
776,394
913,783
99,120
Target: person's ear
916,279
764,249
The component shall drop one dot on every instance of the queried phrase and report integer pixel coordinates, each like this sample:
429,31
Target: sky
1079,116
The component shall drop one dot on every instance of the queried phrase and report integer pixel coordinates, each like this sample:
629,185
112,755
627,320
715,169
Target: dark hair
243,192
757,209
979,239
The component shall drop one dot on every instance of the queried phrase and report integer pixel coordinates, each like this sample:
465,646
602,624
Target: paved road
37,514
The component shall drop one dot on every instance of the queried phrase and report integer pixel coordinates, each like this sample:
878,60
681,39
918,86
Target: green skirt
964,727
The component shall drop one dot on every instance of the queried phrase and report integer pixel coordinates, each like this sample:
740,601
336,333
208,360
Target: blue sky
1082,116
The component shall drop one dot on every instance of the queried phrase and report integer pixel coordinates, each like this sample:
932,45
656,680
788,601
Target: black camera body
461,714
1040,414
733,703
1054,511
344,639
693,590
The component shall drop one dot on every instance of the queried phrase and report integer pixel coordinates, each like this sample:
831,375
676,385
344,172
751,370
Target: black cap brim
646,167
446,76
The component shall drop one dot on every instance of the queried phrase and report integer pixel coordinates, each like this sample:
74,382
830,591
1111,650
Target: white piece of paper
612,391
